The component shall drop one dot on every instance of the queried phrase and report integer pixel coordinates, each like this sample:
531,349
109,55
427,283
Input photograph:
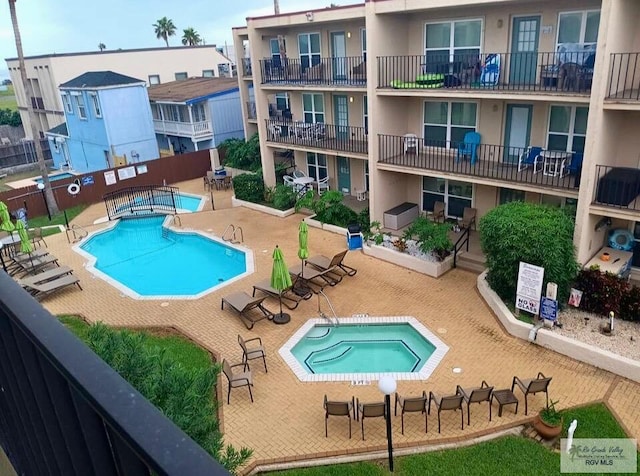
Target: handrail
464,239
322,314
178,219
234,230
238,229
76,236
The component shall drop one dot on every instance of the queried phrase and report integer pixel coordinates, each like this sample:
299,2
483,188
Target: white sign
529,288
142,169
110,177
126,173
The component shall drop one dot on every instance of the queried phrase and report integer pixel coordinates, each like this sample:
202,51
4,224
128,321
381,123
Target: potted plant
548,422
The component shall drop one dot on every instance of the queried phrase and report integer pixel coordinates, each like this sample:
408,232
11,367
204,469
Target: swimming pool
363,348
53,178
182,202
148,261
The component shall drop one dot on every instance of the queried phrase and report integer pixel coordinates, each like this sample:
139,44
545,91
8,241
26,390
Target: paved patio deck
286,422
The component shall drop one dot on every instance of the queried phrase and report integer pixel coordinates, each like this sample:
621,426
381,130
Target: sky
66,26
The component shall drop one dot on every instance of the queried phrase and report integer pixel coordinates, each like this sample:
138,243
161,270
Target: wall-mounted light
348,34
350,98
604,222
500,23
309,16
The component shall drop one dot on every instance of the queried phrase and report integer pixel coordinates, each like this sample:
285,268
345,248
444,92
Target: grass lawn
8,99
57,219
507,456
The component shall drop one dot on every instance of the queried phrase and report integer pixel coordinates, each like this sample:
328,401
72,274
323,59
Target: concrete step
471,262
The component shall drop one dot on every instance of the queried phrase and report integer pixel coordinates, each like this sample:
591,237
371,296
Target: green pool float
423,81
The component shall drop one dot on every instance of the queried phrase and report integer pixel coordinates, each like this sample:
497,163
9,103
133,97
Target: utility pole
276,7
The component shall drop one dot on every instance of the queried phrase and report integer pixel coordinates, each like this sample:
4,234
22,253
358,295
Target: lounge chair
237,379
412,404
336,408
33,265
476,395
41,289
45,276
369,410
242,303
336,263
312,279
449,402
532,386
289,298
253,351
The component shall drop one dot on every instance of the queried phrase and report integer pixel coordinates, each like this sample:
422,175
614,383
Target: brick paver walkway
286,422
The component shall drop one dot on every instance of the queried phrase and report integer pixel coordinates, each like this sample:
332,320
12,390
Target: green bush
605,292
430,236
242,154
186,396
536,234
328,208
249,187
9,117
284,197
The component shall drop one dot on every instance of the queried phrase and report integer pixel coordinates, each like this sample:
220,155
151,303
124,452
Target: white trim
452,49
313,111
84,116
583,24
572,122
95,104
448,125
99,88
309,54
445,195
424,373
363,41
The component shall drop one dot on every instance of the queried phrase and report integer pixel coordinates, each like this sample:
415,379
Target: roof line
315,10
212,95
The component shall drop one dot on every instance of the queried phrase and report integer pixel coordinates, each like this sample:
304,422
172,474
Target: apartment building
153,65
470,102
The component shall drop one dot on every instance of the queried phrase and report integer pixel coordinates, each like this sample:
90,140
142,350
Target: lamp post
46,204
387,385
4,266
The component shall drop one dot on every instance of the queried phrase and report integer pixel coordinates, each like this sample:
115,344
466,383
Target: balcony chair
298,174
531,158
36,237
469,147
469,218
575,165
410,143
438,212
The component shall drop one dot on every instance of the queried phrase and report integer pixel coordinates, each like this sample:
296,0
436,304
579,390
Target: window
316,165
95,102
456,195
509,195
363,41
309,47
154,79
181,76
197,112
452,42
208,73
313,108
224,71
578,27
66,100
567,128
155,112
365,114
175,113
446,123
275,51
282,101
80,107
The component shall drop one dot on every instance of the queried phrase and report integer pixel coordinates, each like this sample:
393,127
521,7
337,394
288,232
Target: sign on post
529,288
549,309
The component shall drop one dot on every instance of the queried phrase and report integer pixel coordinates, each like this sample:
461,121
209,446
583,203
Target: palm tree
102,46
35,122
164,29
191,37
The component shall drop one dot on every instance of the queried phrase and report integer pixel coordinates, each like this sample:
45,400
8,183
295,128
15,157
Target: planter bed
435,269
262,208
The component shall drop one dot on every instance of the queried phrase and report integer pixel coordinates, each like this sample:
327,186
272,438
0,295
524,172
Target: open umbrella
5,220
280,280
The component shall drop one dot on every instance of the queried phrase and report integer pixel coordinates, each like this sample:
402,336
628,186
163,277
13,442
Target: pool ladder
231,230
333,320
77,232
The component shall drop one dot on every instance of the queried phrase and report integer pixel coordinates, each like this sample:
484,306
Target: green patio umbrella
280,280
303,253
5,220
25,242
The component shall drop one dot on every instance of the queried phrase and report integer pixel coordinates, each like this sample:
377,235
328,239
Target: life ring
73,189
621,239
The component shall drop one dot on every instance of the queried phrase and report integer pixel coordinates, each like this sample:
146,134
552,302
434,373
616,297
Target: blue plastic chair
469,147
575,165
530,158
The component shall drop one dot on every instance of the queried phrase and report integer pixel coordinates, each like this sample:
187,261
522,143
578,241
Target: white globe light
387,384
40,186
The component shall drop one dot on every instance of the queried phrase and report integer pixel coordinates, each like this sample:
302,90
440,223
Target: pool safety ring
73,189
621,239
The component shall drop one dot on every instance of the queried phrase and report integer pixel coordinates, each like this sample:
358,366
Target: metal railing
251,110
509,164
535,71
347,71
142,200
460,243
246,67
318,135
63,410
617,187
624,80
184,129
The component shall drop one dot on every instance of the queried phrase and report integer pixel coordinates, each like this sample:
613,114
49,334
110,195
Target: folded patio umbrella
280,279
5,220
25,242
303,254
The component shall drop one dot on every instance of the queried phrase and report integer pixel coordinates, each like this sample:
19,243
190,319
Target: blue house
108,123
196,113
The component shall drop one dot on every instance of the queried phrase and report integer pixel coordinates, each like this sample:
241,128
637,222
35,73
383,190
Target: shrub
242,154
328,208
363,220
9,117
630,305
605,292
284,197
249,187
536,234
431,237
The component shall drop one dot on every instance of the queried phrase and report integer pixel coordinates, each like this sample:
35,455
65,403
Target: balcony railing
183,129
550,169
318,136
567,72
344,71
617,187
246,67
65,411
251,110
624,82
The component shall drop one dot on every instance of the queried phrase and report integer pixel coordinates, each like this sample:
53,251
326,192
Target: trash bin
354,237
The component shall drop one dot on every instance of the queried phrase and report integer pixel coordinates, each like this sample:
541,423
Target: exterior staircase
469,261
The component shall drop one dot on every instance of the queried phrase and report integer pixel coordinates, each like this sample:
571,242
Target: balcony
246,67
339,139
251,110
535,72
346,71
494,162
617,187
65,411
624,81
192,130
37,103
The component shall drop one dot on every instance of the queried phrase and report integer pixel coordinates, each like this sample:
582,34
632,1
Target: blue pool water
53,178
150,261
188,202
181,201
363,348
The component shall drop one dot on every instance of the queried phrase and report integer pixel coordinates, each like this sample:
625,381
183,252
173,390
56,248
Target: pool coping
425,372
126,291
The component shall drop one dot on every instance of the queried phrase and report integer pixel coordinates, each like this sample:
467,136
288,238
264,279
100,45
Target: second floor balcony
331,137
246,67
624,79
566,72
617,187
530,166
192,130
349,71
